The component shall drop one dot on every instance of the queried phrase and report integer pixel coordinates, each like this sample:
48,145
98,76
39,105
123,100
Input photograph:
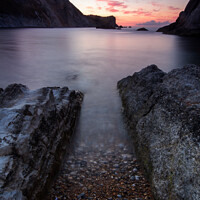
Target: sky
148,13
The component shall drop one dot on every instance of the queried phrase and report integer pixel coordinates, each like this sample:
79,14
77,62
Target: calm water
92,61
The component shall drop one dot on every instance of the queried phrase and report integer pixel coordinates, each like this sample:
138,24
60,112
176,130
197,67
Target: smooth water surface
92,61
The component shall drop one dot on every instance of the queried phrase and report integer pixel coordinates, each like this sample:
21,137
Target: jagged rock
142,29
35,129
47,13
188,22
163,115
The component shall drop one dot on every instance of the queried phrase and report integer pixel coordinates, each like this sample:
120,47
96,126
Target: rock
188,22
142,29
1,90
103,22
51,13
132,178
162,113
35,129
81,196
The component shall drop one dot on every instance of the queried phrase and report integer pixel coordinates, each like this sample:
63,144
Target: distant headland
48,14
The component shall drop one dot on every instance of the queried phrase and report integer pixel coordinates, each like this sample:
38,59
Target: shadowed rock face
188,23
142,29
46,13
103,22
162,112
35,129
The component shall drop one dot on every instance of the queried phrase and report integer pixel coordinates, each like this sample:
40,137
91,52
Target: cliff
102,22
162,113
188,22
35,130
47,13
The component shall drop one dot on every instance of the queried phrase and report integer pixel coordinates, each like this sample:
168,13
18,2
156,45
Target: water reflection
187,50
92,61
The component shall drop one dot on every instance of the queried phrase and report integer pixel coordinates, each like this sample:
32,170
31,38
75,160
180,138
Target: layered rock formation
47,13
163,114
35,129
188,22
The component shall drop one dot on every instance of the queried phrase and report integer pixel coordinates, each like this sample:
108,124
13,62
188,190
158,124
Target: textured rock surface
35,129
188,22
47,13
163,114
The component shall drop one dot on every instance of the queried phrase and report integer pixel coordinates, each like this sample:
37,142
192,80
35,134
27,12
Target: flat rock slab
35,129
163,114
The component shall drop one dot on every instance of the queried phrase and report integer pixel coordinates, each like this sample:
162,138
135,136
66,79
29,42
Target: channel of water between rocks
101,163
92,61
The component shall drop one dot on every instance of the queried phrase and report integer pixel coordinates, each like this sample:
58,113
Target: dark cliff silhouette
48,13
188,22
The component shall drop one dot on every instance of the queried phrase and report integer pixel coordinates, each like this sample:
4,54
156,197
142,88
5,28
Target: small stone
137,178
132,178
83,163
73,173
81,196
135,170
116,166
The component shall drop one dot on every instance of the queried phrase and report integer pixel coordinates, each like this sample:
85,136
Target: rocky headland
188,22
51,13
162,111
35,130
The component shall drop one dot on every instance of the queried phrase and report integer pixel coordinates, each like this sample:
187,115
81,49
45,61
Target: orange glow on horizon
134,13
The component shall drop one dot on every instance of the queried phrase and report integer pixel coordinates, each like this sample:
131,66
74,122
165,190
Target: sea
92,61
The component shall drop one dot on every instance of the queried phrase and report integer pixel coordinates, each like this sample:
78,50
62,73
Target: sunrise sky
148,13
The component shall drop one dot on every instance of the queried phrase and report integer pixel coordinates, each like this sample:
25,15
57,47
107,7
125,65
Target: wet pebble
105,175
81,196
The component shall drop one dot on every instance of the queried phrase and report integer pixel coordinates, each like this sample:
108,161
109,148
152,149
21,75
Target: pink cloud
140,11
89,7
156,10
156,4
112,10
113,5
117,4
173,8
154,23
